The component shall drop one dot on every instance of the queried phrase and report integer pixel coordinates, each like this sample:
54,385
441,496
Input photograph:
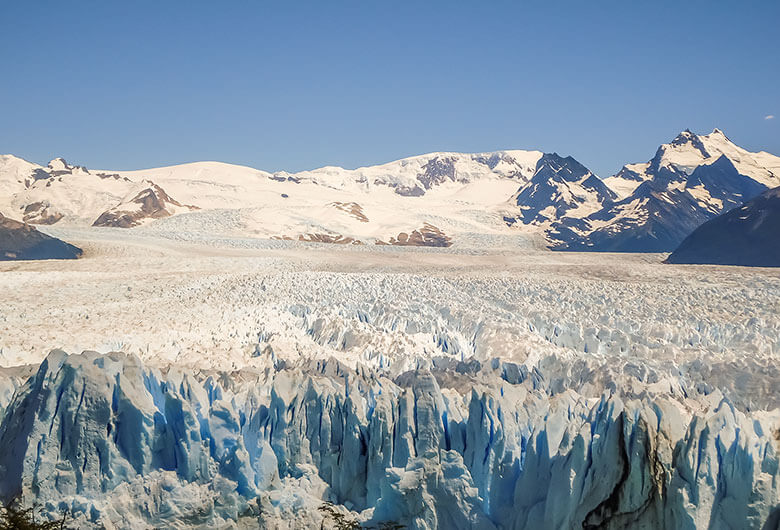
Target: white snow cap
58,164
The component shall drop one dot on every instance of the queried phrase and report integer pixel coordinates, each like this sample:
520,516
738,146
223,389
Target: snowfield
180,379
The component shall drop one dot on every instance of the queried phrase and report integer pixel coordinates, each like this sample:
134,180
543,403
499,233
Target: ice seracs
117,443
434,388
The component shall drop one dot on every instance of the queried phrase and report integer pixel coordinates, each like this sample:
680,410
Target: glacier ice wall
453,445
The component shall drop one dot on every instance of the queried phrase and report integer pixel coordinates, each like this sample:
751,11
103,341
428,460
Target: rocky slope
748,235
148,204
21,241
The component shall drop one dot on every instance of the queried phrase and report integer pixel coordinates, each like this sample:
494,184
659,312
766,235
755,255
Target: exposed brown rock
153,201
777,438
21,241
41,213
427,236
319,237
352,208
329,238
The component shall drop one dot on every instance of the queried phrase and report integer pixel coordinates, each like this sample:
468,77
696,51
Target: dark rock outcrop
748,235
149,203
20,241
426,236
41,213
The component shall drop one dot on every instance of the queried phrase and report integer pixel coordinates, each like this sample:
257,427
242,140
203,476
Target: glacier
122,444
179,384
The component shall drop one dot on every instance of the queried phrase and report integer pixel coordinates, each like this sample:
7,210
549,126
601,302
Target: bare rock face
329,238
437,171
427,236
149,203
20,241
41,213
351,208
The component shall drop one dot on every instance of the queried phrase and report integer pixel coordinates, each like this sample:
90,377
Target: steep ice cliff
467,445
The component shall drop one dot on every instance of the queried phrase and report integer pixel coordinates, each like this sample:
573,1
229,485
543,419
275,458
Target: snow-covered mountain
514,196
688,181
687,152
59,192
747,235
149,203
561,187
422,200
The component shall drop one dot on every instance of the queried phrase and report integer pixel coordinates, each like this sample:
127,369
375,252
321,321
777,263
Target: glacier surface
178,384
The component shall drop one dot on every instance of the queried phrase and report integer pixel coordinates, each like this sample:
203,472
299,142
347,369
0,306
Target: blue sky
298,85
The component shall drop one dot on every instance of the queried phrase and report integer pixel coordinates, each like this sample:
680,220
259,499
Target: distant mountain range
438,199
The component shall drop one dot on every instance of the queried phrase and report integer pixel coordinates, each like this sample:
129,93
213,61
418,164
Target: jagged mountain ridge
561,187
647,207
687,151
688,181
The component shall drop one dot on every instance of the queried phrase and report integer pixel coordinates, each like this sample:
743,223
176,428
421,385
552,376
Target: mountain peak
685,137
151,202
58,164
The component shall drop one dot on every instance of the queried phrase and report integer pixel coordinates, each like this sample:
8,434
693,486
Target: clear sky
294,85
